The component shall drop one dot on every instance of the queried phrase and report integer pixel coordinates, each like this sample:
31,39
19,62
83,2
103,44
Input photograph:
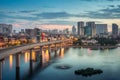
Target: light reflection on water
107,60
33,55
62,53
11,61
47,56
26,56
78,58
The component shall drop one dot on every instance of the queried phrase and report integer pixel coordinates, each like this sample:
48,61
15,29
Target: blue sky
58,13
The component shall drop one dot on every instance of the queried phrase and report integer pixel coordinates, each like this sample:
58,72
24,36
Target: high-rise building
14,31
5,29
101,29
88,31
119,32
34,33
66,31
55,31
80,28
73,30
114,29
29,32
22,31
93,28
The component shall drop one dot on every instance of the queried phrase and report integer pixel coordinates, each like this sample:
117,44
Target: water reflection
89,51
107,60
27,56
55,55
17,73
11,61
24,67
33,55
18,66
45,56
3,61
61,52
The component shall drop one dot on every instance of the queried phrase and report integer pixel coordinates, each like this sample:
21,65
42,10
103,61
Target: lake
53,66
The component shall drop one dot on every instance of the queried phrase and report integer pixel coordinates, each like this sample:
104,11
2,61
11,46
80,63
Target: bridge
17,49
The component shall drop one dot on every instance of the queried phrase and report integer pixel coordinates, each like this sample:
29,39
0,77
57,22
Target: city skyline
58,14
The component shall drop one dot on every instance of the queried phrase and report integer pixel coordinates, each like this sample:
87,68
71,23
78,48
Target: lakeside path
95,47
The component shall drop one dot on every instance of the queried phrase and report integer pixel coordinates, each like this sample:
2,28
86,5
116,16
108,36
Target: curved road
13,50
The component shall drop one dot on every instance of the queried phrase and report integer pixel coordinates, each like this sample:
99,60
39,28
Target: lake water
75,58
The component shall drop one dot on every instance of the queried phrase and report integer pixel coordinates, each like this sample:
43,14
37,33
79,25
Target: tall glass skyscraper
73,30
114,29
93,28
80,28
101,29
88,31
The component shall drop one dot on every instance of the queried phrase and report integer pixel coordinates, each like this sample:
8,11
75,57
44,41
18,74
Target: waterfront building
5,29
66,31
55,31
73,30
114,29
93,28
29,32
22,31
101,29
37,33
34,33
80,26
88,31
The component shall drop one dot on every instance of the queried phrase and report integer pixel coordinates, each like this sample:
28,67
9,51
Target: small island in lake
88,72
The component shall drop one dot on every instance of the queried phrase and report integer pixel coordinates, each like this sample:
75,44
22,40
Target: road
16,49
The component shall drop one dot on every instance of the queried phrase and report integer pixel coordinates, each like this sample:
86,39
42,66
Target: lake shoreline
95,47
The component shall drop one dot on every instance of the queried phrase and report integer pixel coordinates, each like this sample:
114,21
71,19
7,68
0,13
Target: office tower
5,29
29,32
93,28
32,32
66,31
88,31
101,29
14,31
114,29
37,33
22,31
55,31
80,28
73,30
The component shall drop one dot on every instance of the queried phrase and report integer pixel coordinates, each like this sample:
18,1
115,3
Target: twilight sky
59,14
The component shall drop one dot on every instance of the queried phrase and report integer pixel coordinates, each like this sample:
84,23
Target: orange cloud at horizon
16,25
41,26
51,26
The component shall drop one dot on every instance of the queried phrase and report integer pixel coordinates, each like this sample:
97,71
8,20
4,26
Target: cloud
16,12
54,26
31,16
111,5
14,15
27,11
54,19
16,25
118,5
99,0
65,22
107,13
55,15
